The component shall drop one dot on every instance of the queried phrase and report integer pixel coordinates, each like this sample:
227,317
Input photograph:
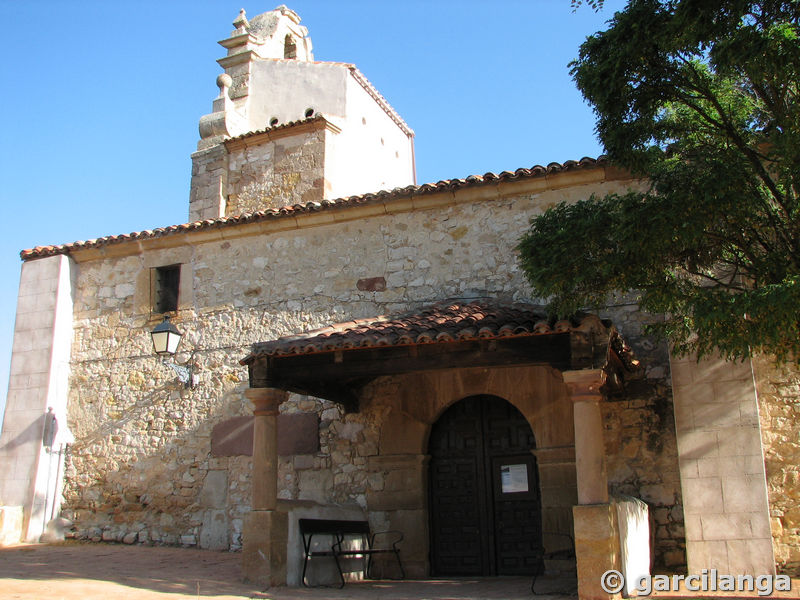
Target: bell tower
286,129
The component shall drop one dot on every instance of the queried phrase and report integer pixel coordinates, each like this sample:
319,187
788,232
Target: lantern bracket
184,372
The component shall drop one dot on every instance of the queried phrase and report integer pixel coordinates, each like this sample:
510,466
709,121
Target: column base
597,548
265,540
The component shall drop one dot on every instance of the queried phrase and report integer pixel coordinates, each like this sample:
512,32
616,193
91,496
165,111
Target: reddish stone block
297,434
233,437
373,284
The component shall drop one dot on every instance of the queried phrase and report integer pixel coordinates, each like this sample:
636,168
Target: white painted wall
374,153
39,379
286,88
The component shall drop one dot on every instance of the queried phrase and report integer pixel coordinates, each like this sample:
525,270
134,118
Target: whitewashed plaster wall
284,89
374,152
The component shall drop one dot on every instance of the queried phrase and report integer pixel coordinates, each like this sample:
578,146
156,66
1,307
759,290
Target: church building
355,345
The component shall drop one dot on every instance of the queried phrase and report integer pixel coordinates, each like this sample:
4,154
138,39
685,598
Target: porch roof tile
439,323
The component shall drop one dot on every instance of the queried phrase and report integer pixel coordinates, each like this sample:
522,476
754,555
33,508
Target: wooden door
485,511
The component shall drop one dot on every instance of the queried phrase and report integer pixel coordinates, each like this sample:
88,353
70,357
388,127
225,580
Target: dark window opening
289,47
166,281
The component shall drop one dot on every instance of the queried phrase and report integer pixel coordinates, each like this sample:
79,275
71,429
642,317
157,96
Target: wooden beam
339,376
345,393
393,360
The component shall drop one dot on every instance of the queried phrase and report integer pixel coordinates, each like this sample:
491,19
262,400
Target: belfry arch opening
289,47
484,497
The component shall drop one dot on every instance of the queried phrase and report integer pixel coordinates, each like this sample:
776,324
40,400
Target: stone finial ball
224,80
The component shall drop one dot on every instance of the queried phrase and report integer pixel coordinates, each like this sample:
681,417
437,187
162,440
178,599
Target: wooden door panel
476,529
459,534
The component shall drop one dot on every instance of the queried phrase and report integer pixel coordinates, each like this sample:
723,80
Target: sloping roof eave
311,207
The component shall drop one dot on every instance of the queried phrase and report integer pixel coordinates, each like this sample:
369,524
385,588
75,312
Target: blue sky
100,101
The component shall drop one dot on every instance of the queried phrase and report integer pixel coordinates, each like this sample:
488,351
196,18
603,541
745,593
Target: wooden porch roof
337,361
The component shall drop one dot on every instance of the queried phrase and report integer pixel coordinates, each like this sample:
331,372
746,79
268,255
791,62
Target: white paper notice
514,478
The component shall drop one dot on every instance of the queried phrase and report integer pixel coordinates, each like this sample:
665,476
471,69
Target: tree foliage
699,98
595,5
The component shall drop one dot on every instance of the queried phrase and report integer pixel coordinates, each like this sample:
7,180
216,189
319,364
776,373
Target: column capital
265,400
584,384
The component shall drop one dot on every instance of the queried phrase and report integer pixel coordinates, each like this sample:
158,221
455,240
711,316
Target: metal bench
342,534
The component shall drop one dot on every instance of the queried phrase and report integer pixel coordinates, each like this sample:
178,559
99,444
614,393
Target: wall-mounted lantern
166,338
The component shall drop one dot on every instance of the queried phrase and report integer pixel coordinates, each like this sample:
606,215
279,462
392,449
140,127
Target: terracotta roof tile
297,209
440,323
278,127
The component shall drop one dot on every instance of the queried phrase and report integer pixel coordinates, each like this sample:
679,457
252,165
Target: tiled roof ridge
278,127
378,97
447,321
309,207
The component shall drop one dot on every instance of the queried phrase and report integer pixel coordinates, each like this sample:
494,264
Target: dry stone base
277,173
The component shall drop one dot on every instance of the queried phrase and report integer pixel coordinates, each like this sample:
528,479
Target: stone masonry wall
258,173
642,462
337,474
276,173
141,468
779,411
209,183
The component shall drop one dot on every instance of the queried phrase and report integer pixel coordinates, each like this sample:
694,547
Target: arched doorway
485,509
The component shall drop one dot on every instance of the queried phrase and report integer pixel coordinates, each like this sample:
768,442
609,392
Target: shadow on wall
32,432
145,474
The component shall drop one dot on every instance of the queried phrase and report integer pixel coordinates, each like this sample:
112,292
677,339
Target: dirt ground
83,571
73,571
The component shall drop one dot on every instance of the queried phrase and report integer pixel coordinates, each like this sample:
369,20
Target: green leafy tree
595,5
699,98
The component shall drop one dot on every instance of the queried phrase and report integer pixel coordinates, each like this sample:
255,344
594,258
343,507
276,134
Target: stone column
265,534
597,547
590,454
